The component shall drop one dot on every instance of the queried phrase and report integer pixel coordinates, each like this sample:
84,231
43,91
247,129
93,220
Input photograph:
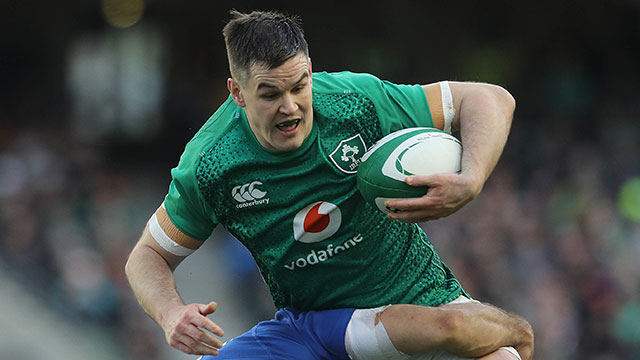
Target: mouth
288,126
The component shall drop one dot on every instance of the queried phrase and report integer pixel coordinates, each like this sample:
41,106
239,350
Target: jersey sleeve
405,106
402,106
185,206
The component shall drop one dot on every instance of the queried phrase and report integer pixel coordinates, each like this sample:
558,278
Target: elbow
507,98
137,255
528,337
506,102
128,266
510,105
132,265
502,103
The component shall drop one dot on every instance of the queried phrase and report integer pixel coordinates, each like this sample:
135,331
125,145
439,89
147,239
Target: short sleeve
402,106
398,106
185,205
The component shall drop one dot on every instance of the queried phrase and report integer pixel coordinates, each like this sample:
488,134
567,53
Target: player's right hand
447,194
188,329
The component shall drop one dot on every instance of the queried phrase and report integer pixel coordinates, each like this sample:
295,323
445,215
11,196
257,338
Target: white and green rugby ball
413,151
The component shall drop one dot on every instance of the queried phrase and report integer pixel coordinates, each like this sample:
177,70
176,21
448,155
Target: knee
526,349
529,333
450,325
416,328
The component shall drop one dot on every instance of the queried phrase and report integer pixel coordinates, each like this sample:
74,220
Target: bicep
458,92
493,95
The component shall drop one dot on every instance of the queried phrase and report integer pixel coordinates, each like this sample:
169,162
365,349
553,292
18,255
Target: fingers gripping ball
413,151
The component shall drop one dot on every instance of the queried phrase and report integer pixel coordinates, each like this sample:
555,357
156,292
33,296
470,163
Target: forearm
150,273
485,115
152,282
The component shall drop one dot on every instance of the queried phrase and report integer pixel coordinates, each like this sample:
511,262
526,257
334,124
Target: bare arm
483,116
468,330
149,270
484,120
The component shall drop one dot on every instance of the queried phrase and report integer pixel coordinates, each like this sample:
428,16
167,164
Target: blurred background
100,97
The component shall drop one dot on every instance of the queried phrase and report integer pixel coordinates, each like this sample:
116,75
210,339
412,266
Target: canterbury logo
249,194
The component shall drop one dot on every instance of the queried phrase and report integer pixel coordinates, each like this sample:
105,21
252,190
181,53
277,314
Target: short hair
267,38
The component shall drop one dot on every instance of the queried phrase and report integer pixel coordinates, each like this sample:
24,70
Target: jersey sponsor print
314,223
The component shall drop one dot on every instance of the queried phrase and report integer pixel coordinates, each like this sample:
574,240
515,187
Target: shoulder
219,124
226,116
344,82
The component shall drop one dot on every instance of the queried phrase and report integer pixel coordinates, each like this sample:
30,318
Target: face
278,103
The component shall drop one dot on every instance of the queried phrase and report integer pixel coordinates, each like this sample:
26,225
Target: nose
288,105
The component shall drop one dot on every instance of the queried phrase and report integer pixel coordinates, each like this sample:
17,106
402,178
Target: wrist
473,182
164,316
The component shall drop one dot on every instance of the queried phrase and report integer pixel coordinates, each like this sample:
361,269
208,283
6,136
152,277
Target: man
268,166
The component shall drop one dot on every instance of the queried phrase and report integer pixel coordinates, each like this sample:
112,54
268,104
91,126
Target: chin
290,145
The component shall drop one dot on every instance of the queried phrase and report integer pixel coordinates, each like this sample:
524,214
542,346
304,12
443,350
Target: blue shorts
292,335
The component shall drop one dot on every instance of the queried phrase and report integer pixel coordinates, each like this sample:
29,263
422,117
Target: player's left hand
447,194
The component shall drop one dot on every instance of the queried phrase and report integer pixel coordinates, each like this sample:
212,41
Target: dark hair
265,38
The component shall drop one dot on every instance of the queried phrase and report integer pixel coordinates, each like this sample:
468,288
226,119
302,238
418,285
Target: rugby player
276,164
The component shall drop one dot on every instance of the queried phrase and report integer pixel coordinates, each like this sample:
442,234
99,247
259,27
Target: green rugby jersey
317,243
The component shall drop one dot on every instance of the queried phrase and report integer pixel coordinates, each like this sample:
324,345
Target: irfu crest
346,156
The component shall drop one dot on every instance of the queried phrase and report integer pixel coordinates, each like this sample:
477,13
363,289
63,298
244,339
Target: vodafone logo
316,222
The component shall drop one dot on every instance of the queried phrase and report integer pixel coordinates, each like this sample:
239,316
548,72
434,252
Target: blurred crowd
68,221
552,237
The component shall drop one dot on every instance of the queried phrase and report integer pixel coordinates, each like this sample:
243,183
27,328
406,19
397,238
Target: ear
310,73
236,93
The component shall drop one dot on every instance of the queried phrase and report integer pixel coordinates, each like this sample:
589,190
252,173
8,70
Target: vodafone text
316,257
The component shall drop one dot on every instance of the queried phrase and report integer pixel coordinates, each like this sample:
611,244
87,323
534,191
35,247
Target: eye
298,88
269,96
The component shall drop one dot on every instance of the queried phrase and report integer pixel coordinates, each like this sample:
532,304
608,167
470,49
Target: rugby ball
413,151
